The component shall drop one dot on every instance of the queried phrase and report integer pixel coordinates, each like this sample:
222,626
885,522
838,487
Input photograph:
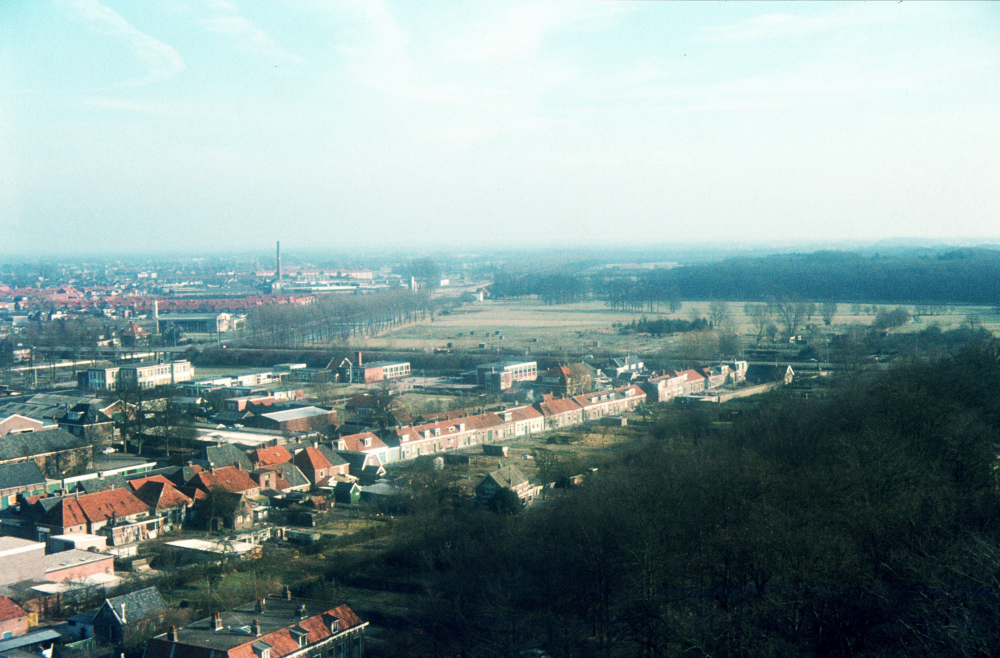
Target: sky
215,125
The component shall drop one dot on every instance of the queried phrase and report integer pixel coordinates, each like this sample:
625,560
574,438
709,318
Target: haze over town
214,126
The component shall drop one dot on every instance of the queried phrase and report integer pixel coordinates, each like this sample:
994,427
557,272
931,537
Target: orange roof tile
272,455
10,610
103,505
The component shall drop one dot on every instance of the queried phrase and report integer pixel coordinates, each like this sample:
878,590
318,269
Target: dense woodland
862,523
963,276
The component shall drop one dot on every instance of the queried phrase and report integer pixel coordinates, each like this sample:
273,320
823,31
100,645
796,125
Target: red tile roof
162,496
66,513
103,505
313,458
356,443
10,610
137,483
272,455
230,478
557,406
524,413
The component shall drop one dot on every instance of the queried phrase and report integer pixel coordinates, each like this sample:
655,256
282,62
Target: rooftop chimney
217,622
301,611
172,634
288,593
123,612
260,606
255,628
359,359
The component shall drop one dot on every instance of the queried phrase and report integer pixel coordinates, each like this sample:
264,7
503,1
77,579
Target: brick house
274,627
13,619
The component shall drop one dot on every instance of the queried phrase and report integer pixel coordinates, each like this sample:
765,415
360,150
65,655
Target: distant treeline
335,317
663,326
964,276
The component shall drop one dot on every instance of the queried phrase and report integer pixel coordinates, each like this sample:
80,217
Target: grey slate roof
508,476
291,474
28,444
331,455
100,484
143,604
227,455
22,474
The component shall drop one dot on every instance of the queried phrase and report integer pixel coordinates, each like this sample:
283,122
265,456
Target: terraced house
274,627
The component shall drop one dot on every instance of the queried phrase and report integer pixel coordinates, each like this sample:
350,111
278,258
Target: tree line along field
532,326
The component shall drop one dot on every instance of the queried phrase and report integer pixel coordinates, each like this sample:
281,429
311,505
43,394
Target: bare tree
718,313
760,318
828,310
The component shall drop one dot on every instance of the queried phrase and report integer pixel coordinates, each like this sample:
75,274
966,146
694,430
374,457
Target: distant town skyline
208,126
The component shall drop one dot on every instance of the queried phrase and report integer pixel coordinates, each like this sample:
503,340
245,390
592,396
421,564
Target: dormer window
300,634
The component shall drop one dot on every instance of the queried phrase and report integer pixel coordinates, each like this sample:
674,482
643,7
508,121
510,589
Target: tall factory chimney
156,316
279,260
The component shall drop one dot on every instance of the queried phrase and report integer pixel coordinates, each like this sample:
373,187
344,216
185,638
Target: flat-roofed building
156,374
502,375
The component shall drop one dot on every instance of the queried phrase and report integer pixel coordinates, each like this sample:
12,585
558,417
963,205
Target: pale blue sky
215,124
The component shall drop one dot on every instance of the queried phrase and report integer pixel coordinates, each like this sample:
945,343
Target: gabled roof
692,375
64,513
557,406
139,605
524,413
137,483
272,455
508,476
312,458
103,505
227,455
560,372
481,421
358,461
356,442
230,478
162,496
631,391
10,610
291,474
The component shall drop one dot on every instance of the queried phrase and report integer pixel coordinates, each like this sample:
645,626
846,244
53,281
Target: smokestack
359,359
279,260
255,629
217,622
156,315
288,593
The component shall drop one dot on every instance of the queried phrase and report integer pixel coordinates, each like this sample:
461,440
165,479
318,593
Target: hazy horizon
218,126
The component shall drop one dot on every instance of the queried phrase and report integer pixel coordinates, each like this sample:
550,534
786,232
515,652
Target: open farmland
578,328
523,325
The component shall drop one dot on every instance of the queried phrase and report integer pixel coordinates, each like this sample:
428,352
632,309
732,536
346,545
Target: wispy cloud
381,58
163,61
226,20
